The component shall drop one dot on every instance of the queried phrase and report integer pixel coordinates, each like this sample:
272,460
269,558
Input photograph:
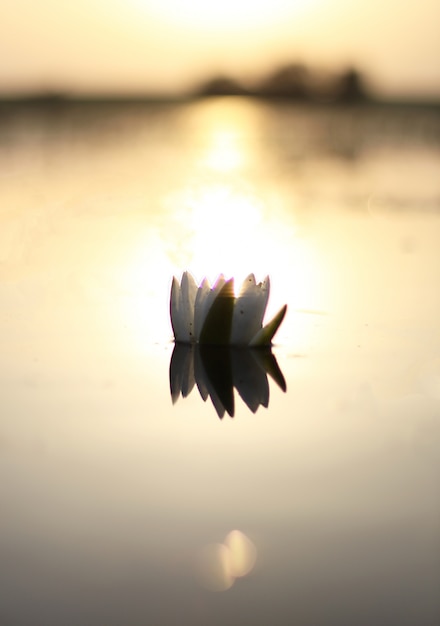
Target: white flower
214,316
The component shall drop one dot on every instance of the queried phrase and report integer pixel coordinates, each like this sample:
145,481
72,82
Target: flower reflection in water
219,564
217,370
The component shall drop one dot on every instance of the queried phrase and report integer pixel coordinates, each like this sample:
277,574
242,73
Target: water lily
214,316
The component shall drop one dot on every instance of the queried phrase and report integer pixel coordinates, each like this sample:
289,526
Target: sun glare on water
223,224
222,218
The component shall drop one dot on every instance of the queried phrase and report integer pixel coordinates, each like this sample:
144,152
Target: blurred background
149,47
296,138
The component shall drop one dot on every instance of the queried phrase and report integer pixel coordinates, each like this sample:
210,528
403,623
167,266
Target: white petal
205,300
177,321
188,293
265,335
218,323
249,310
218,286
200,307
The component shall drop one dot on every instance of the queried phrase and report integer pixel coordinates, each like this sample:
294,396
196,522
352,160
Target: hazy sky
166,45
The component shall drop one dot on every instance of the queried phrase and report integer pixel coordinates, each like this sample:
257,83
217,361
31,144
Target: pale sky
167,45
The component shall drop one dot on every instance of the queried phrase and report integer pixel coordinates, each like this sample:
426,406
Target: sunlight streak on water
225,154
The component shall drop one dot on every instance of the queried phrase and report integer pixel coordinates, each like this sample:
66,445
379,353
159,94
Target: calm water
120,507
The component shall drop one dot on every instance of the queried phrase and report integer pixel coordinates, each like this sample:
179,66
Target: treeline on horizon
293,81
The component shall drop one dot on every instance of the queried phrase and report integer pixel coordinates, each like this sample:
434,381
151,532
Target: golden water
119,507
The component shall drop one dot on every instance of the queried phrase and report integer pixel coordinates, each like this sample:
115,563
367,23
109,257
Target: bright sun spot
223,223
227,14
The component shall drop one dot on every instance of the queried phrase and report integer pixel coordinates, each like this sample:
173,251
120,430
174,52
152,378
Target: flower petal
249,310
265,335
204,299
200,307
188,292
218,322
218,286
176,311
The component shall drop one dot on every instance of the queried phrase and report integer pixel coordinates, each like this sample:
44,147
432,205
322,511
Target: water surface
118,505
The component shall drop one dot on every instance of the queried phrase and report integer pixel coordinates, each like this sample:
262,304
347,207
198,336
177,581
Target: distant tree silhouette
222,86
350,87
295,82
289,81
